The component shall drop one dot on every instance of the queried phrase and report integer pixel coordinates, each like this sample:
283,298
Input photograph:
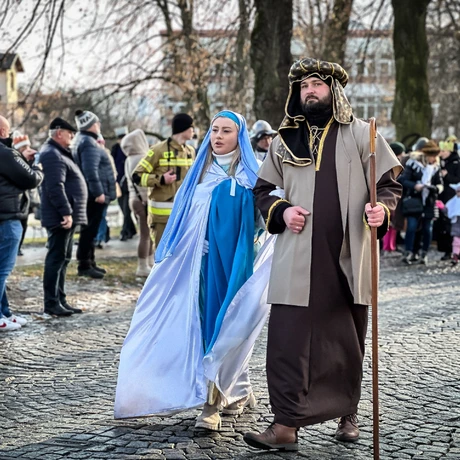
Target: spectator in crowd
64,197
98,173
453,213
135,147
422,183
17,175
20,143
129,229
103,233
397,219
261,138
163,169
450,172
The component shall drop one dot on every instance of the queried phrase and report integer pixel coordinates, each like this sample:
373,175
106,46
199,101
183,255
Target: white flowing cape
163,369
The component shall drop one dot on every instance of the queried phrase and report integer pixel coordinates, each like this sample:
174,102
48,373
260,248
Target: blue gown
173,350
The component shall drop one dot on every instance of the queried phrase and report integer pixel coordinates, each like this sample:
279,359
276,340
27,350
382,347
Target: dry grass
40,241
120,271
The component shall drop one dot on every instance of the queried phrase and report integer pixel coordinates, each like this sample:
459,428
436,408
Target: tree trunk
412,108
336,32
242,56
271,58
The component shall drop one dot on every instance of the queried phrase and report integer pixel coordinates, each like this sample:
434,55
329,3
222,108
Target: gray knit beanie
85,119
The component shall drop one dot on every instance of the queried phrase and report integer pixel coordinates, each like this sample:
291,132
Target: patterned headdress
295,149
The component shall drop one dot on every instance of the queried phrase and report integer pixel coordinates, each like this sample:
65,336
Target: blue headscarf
183,199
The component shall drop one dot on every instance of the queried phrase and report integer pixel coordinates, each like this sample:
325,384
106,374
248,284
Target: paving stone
59,378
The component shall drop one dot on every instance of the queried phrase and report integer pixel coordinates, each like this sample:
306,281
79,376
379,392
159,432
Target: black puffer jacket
412,176
63,191
16,176
95,164
452,166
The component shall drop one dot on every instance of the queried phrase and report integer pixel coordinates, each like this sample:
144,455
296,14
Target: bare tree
443,27
337,31
147,47
412,107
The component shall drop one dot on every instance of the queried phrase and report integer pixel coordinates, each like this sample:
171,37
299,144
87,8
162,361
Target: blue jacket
63,191
96,166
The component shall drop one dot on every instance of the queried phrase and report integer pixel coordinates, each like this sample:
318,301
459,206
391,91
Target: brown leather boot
348,430
276,436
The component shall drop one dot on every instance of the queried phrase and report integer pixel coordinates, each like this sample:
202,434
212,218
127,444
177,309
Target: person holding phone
17,175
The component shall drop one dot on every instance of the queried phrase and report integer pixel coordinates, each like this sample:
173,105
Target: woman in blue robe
200,311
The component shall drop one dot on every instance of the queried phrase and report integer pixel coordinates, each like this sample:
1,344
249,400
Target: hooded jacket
135,146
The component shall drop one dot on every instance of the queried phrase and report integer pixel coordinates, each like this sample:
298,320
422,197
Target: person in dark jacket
129,229
17,174
63,197
450,172
97,170
421,181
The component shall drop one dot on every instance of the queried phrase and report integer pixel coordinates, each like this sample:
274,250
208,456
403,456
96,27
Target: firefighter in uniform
162,170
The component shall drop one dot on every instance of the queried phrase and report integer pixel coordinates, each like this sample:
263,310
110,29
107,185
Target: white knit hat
85,119
20,140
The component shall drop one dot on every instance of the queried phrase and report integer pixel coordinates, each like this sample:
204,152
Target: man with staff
320,283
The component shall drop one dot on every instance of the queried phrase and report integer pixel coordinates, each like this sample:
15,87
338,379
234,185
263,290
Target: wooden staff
375,288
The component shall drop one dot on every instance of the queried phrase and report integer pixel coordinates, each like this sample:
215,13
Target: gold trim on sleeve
365,221
384,206
270,211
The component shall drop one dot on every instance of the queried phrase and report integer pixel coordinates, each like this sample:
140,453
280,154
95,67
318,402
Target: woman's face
444,154
224,136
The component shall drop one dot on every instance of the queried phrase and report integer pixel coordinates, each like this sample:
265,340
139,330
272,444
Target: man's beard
319,107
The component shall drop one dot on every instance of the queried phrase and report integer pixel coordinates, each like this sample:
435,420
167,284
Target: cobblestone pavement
58,380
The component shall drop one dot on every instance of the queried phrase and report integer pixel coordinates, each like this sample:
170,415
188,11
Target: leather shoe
100,269
58,310
72,309
348,430
276,436
91,273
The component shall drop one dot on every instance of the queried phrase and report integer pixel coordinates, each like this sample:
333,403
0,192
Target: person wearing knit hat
163,169
85,119
422,183
128,229
22,144
181,122
320,282
98,172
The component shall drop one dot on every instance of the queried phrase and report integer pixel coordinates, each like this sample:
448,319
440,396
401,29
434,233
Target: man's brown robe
320,283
